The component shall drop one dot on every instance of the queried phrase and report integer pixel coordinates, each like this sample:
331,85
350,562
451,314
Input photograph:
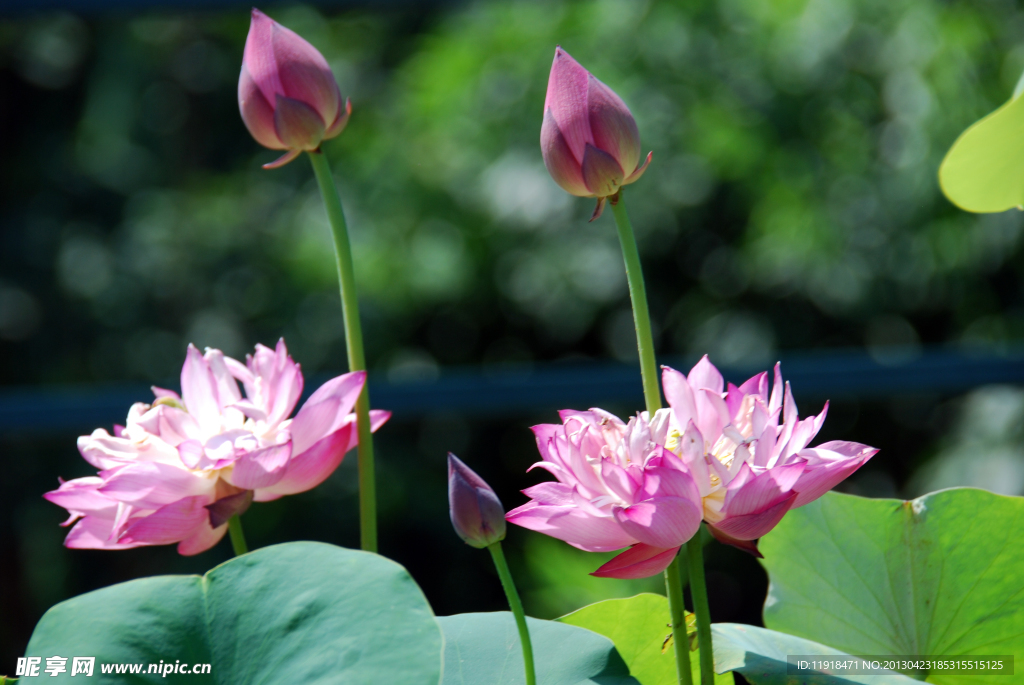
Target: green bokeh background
791,204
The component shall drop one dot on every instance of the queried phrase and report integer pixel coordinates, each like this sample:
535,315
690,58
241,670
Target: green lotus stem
641,315
517,611
699,593
680,640
354,343
237,535
652,396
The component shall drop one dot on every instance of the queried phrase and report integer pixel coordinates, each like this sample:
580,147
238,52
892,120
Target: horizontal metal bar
832,374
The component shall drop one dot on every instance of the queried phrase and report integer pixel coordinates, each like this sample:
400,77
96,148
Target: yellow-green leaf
639,627
984,170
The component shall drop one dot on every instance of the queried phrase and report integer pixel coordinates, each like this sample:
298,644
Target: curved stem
354,343
638,295
517,610
237,536
680,641
699,594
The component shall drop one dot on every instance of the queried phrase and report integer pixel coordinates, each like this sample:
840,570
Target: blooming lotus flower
475,510
589,139
287,94
751,468
617,487
183,465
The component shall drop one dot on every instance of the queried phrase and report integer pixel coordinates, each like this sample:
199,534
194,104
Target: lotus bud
287,94
589,139
476,512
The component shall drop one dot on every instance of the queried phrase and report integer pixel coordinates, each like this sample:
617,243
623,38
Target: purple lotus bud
589,139
287,94
476,512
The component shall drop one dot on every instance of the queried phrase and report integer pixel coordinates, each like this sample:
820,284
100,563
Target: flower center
170,402
744,421
672,441
724,450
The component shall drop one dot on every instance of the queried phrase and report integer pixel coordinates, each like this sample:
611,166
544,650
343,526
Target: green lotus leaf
639,627
984,170
301,612
941,575
761,655
485,648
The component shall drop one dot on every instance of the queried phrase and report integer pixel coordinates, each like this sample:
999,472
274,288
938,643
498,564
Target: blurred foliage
792,203
984,447
561,581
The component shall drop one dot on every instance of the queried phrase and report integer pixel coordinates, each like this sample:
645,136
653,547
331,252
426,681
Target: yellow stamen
170,402
724,451
673,440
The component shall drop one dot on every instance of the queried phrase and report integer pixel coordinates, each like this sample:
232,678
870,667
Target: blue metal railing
835,374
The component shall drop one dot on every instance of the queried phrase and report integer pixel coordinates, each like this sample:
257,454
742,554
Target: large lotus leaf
761,656
941,575
484,648
301,612
639,627
984,170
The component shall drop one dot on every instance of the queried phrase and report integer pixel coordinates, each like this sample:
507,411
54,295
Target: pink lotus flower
287,94
590,142
617,487
183,465
750,468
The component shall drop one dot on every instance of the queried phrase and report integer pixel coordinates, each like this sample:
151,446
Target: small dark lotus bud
476,512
